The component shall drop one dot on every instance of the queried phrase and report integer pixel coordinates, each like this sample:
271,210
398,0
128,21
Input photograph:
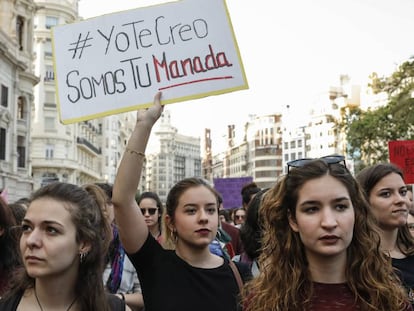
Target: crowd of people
319,239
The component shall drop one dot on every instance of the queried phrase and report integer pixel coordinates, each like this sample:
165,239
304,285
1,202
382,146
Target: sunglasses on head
151,211
330,159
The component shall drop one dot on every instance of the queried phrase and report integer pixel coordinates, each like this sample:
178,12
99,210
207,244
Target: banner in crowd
118,62
402,154
230,190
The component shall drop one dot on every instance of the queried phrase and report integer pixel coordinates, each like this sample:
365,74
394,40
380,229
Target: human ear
84,247
292,223
169,222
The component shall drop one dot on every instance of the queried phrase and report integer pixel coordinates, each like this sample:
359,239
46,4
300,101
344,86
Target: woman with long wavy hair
387,193
321,246
64,238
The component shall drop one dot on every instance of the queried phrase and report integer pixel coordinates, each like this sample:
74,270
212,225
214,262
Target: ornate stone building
17,80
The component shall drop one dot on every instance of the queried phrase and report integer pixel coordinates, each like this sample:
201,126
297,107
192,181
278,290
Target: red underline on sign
195,81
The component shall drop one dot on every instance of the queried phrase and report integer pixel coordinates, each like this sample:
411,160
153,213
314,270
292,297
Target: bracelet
138,153
122,296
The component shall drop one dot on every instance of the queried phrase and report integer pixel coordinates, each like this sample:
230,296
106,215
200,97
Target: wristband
138,153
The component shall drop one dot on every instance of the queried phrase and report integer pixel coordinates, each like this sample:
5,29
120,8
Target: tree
368,132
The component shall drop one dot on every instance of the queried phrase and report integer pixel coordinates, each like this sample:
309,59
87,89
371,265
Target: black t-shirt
169,283
405,270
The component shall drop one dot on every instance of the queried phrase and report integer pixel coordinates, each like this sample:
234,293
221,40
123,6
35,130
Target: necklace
40,306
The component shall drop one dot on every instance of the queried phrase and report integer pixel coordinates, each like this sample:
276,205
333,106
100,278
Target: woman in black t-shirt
189,277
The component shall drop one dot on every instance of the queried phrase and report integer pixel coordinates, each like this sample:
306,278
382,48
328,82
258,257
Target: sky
292,51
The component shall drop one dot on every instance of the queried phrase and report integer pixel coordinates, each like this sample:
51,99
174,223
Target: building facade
264,139
69,153
171,158
36,149
17,80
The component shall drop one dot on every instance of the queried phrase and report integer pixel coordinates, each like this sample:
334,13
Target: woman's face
389,202
221,217
196,217
150,211
48,242
325,218
239,217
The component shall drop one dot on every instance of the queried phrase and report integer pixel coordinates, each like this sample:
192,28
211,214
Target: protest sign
118,62
402,154
230,190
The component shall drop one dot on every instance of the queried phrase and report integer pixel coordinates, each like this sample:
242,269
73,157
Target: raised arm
131,224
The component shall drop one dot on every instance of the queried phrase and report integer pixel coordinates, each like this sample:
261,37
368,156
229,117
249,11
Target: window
51,21
49,73
2,144
49,150
21,108
4,96
48,178
20,31
48,47
21,152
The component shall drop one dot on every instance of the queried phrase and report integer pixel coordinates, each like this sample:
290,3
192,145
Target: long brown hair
86,206
284,282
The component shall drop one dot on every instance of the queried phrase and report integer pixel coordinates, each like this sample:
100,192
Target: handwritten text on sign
402,154
117,62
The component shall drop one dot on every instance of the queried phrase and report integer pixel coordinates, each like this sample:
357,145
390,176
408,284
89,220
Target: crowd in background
319,239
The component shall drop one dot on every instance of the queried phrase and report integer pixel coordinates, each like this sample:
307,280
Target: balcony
84,142
49,76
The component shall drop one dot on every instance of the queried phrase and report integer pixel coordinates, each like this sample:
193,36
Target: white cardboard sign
118,62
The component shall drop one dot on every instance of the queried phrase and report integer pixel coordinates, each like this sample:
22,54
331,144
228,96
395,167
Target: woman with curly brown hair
321,246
